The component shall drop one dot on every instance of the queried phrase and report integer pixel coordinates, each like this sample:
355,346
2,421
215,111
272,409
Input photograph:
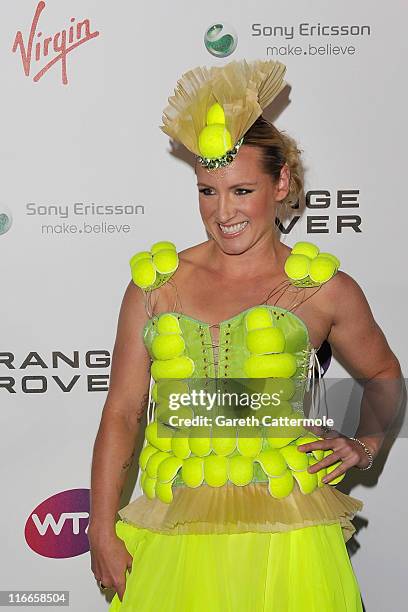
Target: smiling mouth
232,230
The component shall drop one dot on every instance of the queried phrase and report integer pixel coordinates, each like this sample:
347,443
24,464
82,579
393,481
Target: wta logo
57,527
220,39
40,52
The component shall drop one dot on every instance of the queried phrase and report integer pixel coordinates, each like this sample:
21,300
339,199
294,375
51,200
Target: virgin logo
49,50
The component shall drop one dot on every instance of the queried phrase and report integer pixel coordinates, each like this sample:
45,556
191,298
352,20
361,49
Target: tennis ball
320,474
321,269
143,273
276,442
166,261
318,452
180,447
151,434
305,248
214,141
192,471
249,447
281,486
161,246
147,452
258,318
200,446
240,470
279,365
215,470
286,387
178,367
139,256
164,492
149,487
168,468
215,114
154,462
297,266
168,324
223,446
332,257
307,482
166,387
295,459
330,469
168,346
272,462
267,340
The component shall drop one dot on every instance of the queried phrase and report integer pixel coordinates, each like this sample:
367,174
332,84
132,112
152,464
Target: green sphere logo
220,39
5,219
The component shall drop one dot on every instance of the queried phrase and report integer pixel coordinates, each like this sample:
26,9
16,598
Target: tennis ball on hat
295,459
321,269
153,463
307,482
281,486
180,447
178,367
147,452
257,318
240,470
166,261
279,365
214,141
215,114
297,266
161,246
164,492
168,468
320,474
143,273
192,471
332,257
168,346
168,324
200,446
272,462
223,446
305,248
139,256
249,447
149,487
215,470
267,340
151,434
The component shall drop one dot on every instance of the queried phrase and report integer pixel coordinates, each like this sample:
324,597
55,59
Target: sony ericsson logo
6,219
220,39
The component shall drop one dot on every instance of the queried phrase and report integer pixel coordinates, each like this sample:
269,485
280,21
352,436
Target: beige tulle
233,509
242,88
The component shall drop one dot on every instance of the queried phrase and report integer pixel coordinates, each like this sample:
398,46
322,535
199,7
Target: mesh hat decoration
213,108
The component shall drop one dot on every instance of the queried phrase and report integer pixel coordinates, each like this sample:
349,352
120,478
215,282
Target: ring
101,586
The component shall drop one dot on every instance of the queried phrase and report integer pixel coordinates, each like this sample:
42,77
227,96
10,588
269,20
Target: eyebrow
232,186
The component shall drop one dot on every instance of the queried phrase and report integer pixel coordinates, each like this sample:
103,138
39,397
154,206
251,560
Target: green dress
234,522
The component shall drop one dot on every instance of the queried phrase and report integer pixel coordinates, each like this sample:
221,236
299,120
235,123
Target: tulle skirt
222,565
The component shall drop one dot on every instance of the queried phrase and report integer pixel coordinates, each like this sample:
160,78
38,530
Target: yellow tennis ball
267,340
284,387
330,469
168,346
320,474
143,273
280,365
149,487
258,318
332,257
154,462
145,455
139,256
164,492
180,447
321,269
276,442
272,462
161,246
192,472
307,482
281,486
200,446
295,459
249,447
178,367
305,248
168,324
168,468
214,141
160,442
166,261
215,470
223,446
297,266
166,387
215,114
240,470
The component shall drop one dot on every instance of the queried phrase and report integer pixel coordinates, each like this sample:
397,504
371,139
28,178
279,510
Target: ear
282,184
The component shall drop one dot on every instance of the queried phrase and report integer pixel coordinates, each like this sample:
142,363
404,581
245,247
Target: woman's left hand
348,451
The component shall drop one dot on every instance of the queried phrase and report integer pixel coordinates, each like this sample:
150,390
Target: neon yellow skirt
301,570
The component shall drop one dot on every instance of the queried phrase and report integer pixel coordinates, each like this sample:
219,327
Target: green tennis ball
151,434
276,442
149,487
164,492
145,455
178,367
305,248
215,114
258,318
278,365
332,257
168,346
168,324
166,261
281,486
180,447
214,141
330,469
192,472
320,474
297,266
307,482
166,387
168,468
240,470
223,446
154,462
215,470
143,273
285,387
295,459
321,269
272,462
161,246
200,446
139,256
249,447
267,340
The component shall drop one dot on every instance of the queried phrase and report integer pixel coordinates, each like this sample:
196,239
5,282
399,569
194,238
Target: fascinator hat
213,108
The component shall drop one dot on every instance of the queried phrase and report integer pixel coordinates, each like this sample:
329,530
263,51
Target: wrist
100,531
369,453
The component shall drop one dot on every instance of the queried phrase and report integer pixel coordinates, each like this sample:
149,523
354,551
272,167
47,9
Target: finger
341,469
120,589
323,463
319,444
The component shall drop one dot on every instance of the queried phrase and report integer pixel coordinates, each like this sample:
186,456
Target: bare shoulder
343,294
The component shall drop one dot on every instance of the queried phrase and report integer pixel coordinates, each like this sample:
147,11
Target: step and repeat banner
88,179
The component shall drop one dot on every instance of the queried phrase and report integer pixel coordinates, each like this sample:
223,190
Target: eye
242,191
207,191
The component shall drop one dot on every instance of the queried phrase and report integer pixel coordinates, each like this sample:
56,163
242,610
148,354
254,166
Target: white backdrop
95,140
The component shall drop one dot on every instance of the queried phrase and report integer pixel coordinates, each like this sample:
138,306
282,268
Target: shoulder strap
151,269
306,266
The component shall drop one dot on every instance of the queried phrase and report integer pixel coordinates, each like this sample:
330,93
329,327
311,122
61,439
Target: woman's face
238,203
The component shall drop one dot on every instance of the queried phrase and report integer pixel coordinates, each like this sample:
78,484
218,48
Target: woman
224,541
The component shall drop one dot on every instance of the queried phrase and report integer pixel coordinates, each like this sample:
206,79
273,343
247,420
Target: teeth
231,229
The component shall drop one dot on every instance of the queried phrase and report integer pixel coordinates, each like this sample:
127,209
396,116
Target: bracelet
367,451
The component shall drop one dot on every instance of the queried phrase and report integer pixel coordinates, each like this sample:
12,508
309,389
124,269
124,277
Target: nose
225,208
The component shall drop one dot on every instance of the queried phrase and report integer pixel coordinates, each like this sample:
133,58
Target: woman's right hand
110,560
